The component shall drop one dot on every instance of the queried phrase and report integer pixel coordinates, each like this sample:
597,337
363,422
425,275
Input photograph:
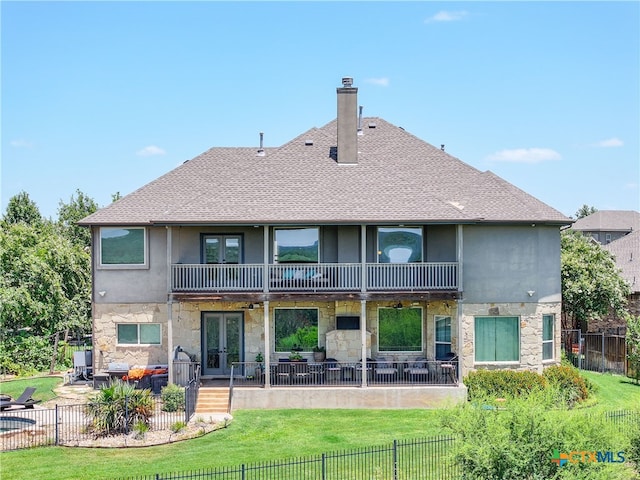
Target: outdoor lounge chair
418,369
24,400
385,369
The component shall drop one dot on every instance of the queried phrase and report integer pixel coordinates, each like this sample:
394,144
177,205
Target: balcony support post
267,350
363,258
363,341
169,306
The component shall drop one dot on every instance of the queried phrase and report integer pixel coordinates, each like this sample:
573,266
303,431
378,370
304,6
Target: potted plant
295,356
319,353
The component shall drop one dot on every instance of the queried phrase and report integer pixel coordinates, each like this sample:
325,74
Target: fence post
324,466
243,472
395,460
57,429
602,352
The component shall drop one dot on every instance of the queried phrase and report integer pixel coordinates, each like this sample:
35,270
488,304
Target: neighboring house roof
609,221
627,253
398,177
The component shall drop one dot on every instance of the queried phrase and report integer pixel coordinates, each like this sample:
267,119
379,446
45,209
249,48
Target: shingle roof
609,221
627,253
398,178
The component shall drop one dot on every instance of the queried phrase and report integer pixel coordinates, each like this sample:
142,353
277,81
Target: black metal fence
425,458
71,425
596,352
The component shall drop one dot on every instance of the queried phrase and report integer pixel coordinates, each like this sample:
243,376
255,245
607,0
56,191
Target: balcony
309,278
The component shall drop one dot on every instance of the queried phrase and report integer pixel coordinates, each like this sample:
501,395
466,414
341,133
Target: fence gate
596,352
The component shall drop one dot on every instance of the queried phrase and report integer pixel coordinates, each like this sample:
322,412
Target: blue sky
106,96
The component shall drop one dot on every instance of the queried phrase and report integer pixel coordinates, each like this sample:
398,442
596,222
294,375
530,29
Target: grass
259,435
615,392
44,387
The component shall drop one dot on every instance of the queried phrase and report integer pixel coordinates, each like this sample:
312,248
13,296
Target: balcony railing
320,277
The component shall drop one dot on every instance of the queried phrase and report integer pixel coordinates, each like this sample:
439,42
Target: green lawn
615,392
44,387
259,435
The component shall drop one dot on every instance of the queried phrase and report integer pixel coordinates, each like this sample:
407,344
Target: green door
221,342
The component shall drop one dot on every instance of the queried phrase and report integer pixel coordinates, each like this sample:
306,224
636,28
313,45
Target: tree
585,211
70,213
21,209
591,282
633,345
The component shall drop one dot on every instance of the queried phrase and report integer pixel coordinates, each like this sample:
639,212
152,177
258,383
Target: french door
221,342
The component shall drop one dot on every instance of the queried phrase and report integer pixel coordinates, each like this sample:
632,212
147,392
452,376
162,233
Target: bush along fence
80,425
426,458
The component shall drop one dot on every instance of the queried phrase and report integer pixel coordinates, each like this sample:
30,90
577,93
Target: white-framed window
139,334
295,328
400,330
497,339
399,244
123,247
296,245
548,323
443,335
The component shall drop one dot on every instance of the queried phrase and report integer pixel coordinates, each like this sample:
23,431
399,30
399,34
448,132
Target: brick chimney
347,122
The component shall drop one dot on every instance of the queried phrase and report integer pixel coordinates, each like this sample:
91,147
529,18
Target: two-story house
357,237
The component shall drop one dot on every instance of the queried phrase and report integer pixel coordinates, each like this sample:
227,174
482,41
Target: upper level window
296,245
399,244
221,248
123,246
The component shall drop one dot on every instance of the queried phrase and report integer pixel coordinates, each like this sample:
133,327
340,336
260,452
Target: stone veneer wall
530,315
186,321
108,315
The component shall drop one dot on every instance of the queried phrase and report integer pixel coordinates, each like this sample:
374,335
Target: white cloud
444,16
610,142
525,155
20,143
150,151
381,82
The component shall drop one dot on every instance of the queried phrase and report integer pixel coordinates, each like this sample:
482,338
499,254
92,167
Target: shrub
140,428
568,386
178,426
518,442
25,354
172,398
502,383
117,407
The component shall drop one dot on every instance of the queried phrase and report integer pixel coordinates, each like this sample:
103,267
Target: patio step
212,400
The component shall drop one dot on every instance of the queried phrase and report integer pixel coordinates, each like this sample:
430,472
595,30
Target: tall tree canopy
591,282
70,213
585,211
21,209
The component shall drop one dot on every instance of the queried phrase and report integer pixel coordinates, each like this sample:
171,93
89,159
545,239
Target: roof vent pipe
360,120
442,147
261,149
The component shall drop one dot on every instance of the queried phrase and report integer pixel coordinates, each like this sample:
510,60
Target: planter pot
319,356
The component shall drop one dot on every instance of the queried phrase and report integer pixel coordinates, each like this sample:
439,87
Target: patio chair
300,372
333,370
449,367
419,369
23,401
384,369
283,372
